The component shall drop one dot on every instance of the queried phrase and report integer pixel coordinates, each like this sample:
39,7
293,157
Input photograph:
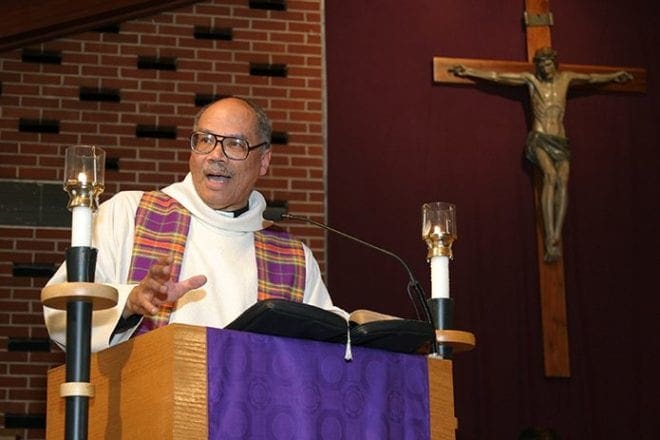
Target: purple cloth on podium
268,387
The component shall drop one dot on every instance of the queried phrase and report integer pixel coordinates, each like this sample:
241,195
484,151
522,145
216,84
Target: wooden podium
155,387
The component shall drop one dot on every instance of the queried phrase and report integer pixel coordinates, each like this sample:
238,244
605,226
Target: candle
81,226
81,220
439,277
94,181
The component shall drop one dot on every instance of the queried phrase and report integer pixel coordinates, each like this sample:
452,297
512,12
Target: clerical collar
239,211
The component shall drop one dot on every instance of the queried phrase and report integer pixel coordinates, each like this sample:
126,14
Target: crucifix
546,147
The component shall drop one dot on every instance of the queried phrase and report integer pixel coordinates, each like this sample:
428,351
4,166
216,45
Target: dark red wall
395,141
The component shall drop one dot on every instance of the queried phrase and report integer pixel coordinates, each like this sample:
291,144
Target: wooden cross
551,275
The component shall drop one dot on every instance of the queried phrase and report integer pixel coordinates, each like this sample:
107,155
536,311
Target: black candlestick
80,265
442,311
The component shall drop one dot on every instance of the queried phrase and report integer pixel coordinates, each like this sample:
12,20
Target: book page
363,316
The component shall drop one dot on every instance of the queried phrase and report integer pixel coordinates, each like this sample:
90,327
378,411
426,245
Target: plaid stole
280,265
161,229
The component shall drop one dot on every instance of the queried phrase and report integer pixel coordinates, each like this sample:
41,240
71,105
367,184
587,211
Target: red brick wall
155,98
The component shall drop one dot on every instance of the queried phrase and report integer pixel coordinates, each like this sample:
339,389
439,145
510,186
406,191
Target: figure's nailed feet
552,253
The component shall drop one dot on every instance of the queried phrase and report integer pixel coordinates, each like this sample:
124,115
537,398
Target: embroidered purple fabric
267,387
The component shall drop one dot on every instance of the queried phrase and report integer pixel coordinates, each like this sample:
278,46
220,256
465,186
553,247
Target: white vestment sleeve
316,293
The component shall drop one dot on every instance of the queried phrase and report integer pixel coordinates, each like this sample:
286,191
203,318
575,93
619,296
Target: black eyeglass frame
220,139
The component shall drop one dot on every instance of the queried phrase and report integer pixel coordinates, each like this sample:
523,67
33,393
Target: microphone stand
412,281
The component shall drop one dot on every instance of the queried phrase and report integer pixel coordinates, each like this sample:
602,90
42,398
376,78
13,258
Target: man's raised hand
158,288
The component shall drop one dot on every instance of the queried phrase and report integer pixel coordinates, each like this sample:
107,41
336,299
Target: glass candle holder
84,175
439,228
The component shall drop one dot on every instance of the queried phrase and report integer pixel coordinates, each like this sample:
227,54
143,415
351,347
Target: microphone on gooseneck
277,214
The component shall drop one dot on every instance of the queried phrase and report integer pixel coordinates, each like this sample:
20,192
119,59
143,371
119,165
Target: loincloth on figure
556,146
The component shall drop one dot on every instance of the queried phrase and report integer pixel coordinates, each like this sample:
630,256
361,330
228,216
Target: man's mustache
218,169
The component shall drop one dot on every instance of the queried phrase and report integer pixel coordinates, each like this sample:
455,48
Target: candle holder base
449,340
459,340
57,296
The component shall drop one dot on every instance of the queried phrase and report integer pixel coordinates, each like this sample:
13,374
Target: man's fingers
142,299
161,270
195,282
148,307
142,305
165,260
177,290
144,302
150,294
154,286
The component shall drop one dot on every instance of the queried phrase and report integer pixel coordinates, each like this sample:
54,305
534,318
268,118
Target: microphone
278,213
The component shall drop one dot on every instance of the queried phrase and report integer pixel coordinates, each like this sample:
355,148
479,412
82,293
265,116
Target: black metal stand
442,311
80,265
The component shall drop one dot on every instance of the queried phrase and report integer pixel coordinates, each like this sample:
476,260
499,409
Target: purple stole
161,229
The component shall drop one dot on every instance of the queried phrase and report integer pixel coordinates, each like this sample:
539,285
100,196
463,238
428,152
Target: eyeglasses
234,148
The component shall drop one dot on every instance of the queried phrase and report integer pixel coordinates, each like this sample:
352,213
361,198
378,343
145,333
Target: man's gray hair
263,128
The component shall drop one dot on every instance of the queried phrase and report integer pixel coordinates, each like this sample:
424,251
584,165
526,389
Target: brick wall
133,89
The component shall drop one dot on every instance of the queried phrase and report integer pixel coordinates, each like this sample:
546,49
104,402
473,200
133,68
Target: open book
367,328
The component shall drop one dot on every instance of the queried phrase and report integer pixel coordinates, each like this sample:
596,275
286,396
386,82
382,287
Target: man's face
224,183
546,69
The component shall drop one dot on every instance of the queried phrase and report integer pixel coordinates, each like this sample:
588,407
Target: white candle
81,226
439,277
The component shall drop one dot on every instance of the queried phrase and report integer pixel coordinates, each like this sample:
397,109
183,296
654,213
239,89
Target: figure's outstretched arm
507,78
620,76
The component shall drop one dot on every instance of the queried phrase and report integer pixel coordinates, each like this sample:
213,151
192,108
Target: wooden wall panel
33,21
